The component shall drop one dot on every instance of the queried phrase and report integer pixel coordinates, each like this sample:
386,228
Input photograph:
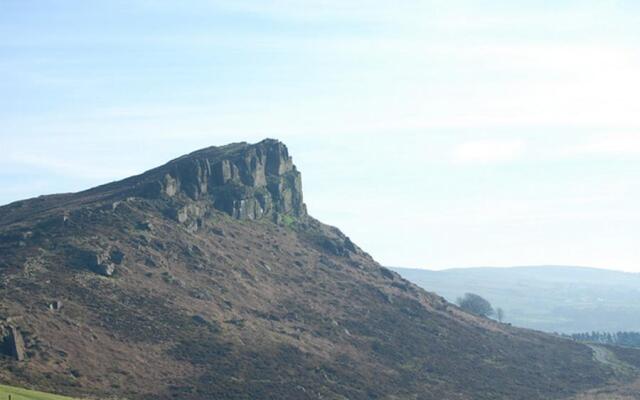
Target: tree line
626,339
476,304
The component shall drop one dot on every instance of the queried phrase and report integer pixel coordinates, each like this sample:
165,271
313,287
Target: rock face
14,343
248,182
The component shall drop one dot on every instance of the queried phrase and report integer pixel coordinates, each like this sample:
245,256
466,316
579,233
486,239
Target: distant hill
548,298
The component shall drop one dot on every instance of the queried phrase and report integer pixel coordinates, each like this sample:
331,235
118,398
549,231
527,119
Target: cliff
248,182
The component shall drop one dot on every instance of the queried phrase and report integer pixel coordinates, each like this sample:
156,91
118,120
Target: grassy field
25,394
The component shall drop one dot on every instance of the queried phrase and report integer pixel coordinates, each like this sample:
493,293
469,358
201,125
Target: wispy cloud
609,144
488,151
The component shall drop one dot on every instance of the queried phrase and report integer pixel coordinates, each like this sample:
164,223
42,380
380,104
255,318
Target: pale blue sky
434,133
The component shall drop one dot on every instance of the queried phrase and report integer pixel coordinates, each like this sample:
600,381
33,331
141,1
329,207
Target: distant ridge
564,299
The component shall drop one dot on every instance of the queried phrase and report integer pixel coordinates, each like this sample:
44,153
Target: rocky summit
246,182
205,278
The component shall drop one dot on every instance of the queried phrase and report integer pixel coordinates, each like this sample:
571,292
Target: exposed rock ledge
247,182
12,342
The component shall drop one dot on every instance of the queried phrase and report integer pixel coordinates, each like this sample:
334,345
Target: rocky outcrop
55,305
329,239
102,265
16,343
13,343
248,182
99,261
105,262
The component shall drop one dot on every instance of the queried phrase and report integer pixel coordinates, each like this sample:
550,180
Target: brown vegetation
206,299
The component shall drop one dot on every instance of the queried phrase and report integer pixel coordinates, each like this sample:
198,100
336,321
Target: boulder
116,256
218,231
145,226
199,319
55,305
102,262
104,269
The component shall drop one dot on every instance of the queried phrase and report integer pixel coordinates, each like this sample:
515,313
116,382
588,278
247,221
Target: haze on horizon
435,134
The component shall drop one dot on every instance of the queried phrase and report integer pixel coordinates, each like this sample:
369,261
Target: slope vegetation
206,278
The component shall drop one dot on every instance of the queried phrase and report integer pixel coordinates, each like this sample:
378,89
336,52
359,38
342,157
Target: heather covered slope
205,278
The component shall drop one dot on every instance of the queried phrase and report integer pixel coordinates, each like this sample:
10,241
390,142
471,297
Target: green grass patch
26,394
288,220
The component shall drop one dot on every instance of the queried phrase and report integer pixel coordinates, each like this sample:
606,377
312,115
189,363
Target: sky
435,134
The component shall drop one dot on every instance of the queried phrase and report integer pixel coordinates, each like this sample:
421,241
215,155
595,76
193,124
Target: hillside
549,298
206,278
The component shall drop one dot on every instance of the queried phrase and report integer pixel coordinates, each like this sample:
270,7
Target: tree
499,314
475,304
